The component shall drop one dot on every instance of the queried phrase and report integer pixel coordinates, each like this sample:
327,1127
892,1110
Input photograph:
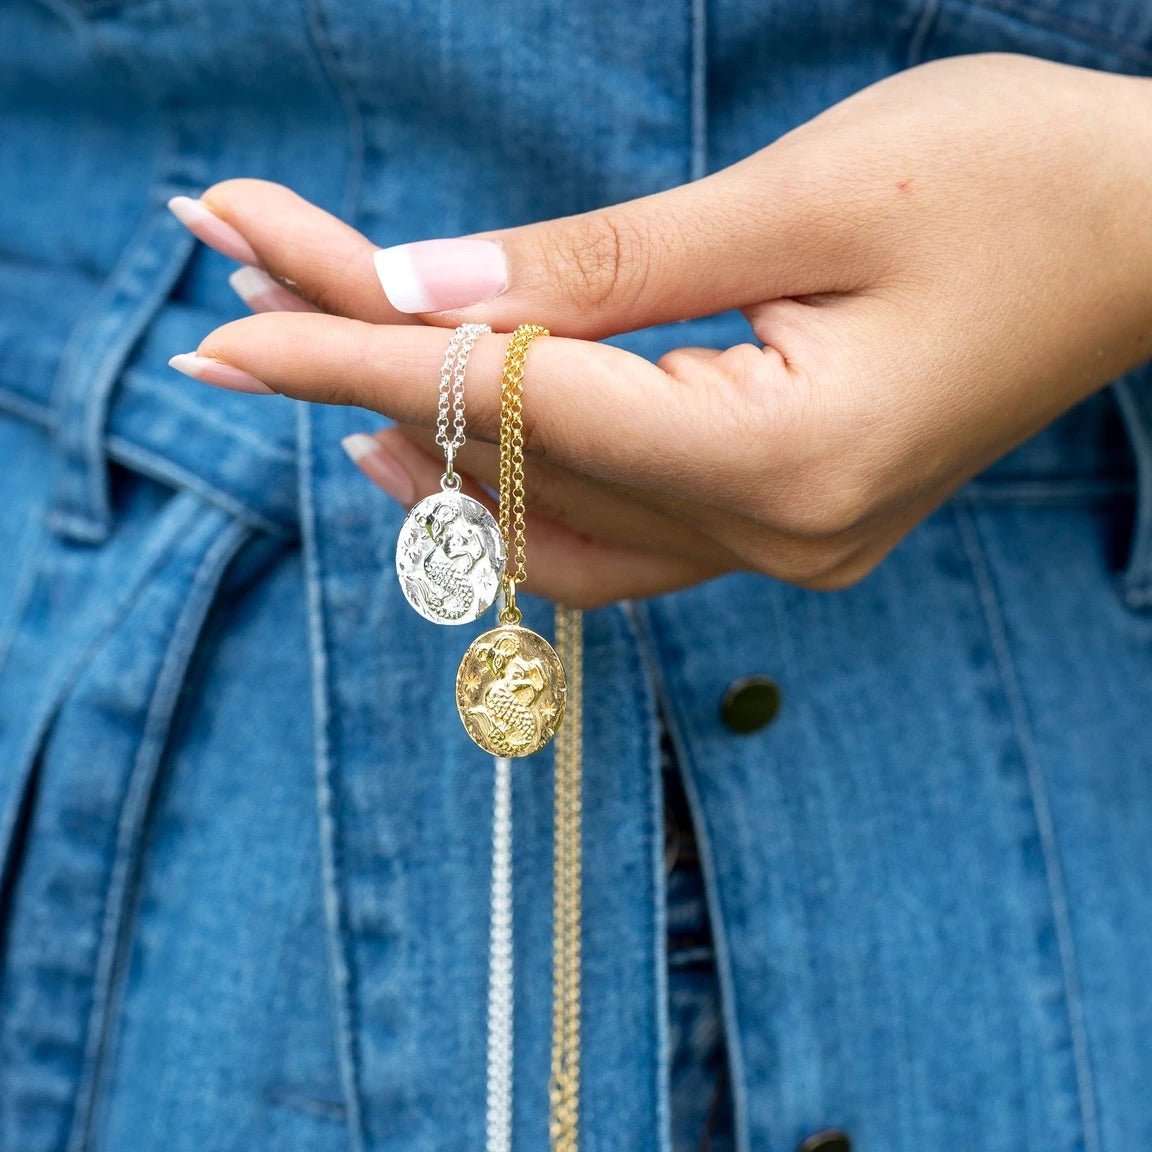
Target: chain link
512,506
451,398
564,1078
564,1084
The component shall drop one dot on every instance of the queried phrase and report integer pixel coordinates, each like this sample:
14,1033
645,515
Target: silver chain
452,392
500,973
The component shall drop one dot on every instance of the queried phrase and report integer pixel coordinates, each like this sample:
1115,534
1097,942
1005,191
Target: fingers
764,228
585,505
593,407
563,565
306,249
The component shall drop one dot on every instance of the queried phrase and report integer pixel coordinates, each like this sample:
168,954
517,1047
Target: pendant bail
510,613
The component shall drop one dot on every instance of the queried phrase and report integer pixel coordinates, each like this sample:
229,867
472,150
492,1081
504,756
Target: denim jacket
244,838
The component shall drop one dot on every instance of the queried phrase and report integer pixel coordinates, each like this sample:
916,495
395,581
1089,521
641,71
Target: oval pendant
450,558
511,690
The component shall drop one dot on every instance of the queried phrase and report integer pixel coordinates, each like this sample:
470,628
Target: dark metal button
751,703
830,1140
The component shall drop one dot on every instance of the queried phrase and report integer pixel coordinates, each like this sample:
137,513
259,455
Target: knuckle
806,564
824,509
608,259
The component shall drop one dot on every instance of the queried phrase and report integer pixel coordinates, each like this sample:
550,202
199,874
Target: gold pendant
511,691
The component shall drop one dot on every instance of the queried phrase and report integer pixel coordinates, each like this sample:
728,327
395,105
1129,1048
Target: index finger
591,407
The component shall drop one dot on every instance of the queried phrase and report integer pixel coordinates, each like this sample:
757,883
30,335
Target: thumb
729,240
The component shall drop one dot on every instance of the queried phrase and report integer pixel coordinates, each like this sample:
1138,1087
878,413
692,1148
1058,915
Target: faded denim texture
244,838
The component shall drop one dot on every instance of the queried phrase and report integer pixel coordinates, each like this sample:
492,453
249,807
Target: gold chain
512,507
564,1086
564,1081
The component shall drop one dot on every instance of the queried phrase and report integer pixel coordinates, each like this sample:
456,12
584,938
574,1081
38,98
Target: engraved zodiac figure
506,714
441,583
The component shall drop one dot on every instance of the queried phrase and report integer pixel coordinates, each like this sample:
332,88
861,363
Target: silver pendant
450,558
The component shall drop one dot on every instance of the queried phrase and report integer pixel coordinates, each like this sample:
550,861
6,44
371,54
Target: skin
933,270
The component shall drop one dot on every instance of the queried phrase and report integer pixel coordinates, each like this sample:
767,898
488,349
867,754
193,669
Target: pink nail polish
380,466
210,371
205,225
434,275
263,294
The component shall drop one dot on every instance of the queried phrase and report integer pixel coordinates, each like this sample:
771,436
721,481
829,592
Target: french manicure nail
380,466
434,275
205,225
210,371
263,294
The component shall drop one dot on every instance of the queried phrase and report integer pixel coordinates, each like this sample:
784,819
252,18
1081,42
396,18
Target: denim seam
720,944
214,422
660,912
161,468
1040,491
25,582
114,951
111,326
44,416
1085,35
50,701
334,911
1136,408
330,63
698,82
920,34
25,409
994,621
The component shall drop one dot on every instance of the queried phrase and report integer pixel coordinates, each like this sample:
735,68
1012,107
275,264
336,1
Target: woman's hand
935,269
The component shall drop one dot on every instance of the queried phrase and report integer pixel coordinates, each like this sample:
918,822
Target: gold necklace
564,1085
511,689
512,693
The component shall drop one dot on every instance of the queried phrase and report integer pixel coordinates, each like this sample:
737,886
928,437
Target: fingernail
207,226
263,294
214,372
434,275
380,466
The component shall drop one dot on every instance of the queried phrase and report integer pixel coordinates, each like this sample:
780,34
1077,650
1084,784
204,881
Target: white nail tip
359,445
187,362
398,279
249,282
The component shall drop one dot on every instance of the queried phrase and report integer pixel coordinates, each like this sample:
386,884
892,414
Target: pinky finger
566,566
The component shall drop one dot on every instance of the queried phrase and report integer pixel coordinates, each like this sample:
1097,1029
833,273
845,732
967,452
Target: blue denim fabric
243,838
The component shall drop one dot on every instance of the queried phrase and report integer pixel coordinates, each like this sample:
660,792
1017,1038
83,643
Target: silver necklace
450,554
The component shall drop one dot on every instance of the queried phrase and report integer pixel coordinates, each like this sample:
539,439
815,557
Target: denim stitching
210,418
334,913
25,409
1136,406
1085,35
330,62
334,910
161,468
923,29
698,80
111,326
50,700
724,978
990,605
1044,491
660,916
155,466
25,584
114,951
